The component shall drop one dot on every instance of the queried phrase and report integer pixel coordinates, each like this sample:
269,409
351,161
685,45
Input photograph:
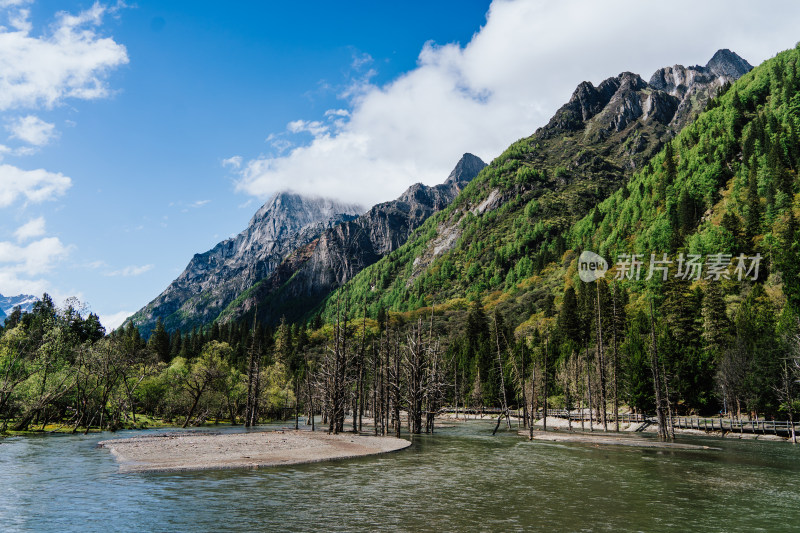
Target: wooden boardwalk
781,428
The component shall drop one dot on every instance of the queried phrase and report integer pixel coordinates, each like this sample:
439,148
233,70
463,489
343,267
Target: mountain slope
727,185
312,271
214,279
510,222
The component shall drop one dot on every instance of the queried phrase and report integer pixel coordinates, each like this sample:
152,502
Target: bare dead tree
576,369
500,369
657,389
615,357
786,392
534,406
601,361
564,377
253,381
546,375
519,376
396,392
414,362
436,385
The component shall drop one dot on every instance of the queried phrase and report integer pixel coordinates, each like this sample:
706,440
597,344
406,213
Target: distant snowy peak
8,303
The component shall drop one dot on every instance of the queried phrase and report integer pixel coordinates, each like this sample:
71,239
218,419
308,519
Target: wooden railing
774,427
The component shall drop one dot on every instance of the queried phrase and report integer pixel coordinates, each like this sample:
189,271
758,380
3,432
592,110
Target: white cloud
233,162
70,60
12,284
199,203
13,3
361,60
507,81
281,145
314,127
29,230
34,259
130,271
112,321
35,185
32,130
337,113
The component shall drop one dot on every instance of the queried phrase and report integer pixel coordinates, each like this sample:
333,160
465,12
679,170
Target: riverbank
205,451
561,424
629,435
68,426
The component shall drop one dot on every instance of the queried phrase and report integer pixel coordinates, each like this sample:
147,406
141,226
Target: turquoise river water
460,479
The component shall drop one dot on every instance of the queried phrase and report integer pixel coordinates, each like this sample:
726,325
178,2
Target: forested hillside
514,219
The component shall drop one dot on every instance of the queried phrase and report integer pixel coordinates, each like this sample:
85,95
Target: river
460,479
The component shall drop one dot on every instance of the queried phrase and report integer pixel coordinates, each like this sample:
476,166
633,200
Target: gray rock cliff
671,98
313,271
214,279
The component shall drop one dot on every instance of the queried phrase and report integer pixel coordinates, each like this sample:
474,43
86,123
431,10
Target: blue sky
132,137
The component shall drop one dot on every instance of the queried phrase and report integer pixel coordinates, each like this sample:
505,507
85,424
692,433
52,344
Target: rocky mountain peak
728,64
467,168
628,81
677,79
213,279
294,210
671,97
341,251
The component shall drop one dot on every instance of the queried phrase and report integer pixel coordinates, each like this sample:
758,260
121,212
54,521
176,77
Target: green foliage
727,183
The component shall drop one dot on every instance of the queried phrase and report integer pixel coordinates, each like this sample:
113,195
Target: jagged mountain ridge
8,303
311,272
544,184
214,279
669,98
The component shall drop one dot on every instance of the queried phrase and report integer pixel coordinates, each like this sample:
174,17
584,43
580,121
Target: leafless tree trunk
654,367
396,389
601,361
545,374
253,371
502,377
310,402
533,399
615,359
521,375
578,392
589,386
414,363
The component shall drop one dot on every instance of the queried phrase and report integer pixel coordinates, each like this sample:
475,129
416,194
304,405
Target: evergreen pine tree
753,214
716,326
789,259
159,341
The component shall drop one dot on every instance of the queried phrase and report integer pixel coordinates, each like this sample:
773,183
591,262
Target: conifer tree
753,214
159,341
716,326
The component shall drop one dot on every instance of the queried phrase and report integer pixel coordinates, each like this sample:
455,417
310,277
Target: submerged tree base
204,451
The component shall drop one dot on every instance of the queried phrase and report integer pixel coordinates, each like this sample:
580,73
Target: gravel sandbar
202,451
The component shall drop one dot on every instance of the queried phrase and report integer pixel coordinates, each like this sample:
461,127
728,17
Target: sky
134,135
